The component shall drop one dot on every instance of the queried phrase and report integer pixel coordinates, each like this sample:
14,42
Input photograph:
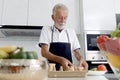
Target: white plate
96,73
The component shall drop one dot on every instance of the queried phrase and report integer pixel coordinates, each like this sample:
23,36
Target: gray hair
59,6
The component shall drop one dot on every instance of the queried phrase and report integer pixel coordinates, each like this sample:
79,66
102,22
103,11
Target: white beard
60,26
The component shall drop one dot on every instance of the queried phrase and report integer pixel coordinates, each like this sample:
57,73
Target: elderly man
58,43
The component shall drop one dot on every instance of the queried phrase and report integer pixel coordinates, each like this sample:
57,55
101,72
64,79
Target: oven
92,53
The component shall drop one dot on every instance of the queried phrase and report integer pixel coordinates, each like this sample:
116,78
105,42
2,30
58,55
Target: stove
92,53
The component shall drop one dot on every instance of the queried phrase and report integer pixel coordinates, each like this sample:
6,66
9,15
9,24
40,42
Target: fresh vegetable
16,68
114,60
3,54
31,55
19,55
94,69
24,55
101,39
116,33
9,48
101,67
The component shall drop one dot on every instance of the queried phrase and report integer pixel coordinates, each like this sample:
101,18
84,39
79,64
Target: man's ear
52,17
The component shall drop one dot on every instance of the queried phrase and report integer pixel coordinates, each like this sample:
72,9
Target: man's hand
83,63
66,64
61,60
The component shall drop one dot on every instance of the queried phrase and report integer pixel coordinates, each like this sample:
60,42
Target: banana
8,48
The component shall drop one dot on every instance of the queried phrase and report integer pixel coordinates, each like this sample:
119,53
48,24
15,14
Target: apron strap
68,36
52,35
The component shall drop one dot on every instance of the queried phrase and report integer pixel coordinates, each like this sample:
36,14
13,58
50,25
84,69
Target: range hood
19,30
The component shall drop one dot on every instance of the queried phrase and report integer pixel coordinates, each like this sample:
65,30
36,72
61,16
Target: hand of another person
66,64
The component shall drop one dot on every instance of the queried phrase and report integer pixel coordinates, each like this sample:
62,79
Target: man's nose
63,19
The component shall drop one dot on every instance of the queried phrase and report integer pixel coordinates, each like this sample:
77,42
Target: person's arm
61,60
82,61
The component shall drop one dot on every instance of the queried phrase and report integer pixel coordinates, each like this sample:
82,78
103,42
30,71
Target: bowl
111,52
114,62
23,69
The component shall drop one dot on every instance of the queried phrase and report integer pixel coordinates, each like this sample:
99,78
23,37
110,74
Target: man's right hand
66,64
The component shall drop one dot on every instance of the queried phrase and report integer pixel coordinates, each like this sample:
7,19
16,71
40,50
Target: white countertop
86,78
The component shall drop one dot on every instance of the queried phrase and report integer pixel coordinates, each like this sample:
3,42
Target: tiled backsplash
29,43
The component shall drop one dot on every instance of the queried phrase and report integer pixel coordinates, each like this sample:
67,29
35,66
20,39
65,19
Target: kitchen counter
104,77
110,77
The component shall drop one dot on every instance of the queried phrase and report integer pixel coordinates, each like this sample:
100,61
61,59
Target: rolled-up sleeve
45,35
74,40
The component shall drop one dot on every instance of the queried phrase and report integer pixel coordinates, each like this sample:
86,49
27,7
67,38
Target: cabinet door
15,12
117,6
1,8
99,15
40,12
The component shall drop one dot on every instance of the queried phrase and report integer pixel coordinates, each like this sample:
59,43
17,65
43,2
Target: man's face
60,17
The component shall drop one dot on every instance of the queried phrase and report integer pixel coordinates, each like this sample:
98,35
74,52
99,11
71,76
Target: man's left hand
83,63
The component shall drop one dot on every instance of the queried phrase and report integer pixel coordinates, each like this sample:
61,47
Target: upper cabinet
99,15
36,12
117,6
40,12
15,12
1,8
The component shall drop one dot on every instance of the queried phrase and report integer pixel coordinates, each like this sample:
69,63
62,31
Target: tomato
101,67
102,46
102,38
16,68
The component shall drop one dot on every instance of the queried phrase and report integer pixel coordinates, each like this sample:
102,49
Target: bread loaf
79,68
71,68
52,67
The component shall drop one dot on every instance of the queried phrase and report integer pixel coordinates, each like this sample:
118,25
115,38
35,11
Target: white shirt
46,35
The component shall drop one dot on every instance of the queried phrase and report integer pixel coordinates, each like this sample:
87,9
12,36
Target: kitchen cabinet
15,12
1,8
39,12
117,6
26,12
99,15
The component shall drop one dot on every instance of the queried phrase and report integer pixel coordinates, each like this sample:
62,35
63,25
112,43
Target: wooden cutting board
82,73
